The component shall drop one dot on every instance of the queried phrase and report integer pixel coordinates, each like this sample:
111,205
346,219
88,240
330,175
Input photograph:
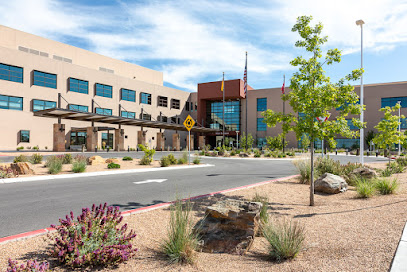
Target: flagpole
223,110
283,116
246,100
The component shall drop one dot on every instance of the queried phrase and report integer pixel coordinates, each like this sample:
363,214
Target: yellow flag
223,86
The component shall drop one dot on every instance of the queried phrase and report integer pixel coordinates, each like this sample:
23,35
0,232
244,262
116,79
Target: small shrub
197,160
402,161
327,165
396,167
185,156
364,188
36,159
267,154
386,172
29,266
94,238
36,147
202,153
232,153
265,203
7,172
182,161
20,148
54,165
67,159
386,187
257,153
80,158
172,159
79,166
46,147
28,147
304,167
113,165
127,158
182,241
165,161
20,158
148,155
285,239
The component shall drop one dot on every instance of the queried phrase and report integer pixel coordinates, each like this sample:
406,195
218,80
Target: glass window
162,101
163,118
11,102
107,138
128,95
43,105
187,106
78,108
347,143
128,114
146,116
11,73
351,125
175,104
145,98
403,124
78,138
45,79
103,90
262,104
261,142
24,136
103,111
78,86
214,115
341,107
261,126
392,101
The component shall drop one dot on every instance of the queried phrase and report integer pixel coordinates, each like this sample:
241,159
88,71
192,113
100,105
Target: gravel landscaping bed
343,233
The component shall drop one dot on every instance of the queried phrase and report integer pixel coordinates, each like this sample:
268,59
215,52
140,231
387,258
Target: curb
399,262
39,232
100,173
251,159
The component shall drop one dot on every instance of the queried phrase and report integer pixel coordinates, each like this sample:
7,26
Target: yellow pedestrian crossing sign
189,122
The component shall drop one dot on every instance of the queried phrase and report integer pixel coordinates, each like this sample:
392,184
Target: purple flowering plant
94,238
29,266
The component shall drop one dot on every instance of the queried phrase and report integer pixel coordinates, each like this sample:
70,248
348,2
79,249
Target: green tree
313,95
369,137
250,141
276,142
388,129
305,141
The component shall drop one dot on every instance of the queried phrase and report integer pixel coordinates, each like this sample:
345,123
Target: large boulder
330,184
114,160
22,168
365,172
229,226
244,155
95,160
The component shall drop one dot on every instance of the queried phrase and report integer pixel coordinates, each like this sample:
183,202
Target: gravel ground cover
343,233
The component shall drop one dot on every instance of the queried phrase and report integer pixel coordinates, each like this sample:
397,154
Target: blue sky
195,41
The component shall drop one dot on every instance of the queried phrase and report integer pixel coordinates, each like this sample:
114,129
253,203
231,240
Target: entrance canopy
116,120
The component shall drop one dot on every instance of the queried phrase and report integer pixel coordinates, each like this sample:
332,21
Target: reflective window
187,106
128,114
262,104
175,104
78,86
107,140
347,143
145,98
103,90
261,142
78,138
11,102
351,125
128,95
45,79
341,107
24,136
145,116
162,101
103,111
214,115
11,73
78,108
403,124
392,101
261,126
43,105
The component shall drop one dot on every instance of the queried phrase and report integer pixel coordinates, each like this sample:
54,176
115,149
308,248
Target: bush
285,238
327,165
93,239
396,167
36,159
80,158
233,153
20,148
36,147
79,166
20,158
182,241
29,266
7,172
165,161
402,161
113,165
364,188
67,158
257,153
265,203
127,158
304,167
172,159
197,160
54,165
182,161
386,187
148,155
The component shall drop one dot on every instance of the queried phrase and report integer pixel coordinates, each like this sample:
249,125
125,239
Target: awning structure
116,120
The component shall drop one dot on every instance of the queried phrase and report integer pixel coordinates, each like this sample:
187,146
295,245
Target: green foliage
304,167
172,159
285,239
67,158
276,142
182,161
257,153
181,241
402,161
365,188
197,160
250,141
305,141
113,165
54,164
20,158
79,166
36,159
233,153
264,218
20,148
386,172
327,165
147,159
386,186
127,158
369,137
36,147
396,167
165,161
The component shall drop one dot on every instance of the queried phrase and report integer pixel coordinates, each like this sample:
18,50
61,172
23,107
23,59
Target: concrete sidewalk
400,258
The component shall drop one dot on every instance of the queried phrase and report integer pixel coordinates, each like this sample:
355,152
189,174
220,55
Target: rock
22,168
330,184
365,172
229,226
95,160
114,160
245,155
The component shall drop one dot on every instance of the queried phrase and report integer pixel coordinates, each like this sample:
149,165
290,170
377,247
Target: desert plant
165,161
29,266
172,159
396,167
327,165
67,159
386,172
364,188
285,238
28,147
94,238
7,172
265,203
127,158
402,161
20,158
36,147
180,244
148,155
233,153
36,159
54,165
257,153
386,186
79,166
304,167
79,158
20,148
182,161
197,160
113,165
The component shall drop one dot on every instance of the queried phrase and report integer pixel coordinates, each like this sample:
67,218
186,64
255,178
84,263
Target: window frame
78,110
261,105
142,98
45,107
21,136
104,109
8,102
127,113
9,74
105,93
162,101
175,104
43,75
78,83
123,97
261,126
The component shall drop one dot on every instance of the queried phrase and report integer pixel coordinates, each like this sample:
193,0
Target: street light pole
399,127
361,23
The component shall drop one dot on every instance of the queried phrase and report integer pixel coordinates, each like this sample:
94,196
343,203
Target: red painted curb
147,208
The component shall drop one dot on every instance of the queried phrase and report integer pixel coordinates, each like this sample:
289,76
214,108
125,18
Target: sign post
321,120
189,123
237,133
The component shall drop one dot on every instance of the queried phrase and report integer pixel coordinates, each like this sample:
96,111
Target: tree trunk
311,195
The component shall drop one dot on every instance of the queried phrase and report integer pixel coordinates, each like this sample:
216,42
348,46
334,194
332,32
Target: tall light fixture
361,23
399,127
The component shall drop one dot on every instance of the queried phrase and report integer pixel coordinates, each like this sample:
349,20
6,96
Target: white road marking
150,181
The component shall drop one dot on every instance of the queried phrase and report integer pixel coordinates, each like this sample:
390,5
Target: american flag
245,76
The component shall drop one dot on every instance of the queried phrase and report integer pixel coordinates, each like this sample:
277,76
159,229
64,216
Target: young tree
388,129
250,141
369,137
305,142
276,142
313,95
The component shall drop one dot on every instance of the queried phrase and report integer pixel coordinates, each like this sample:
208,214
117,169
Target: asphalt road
34,205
